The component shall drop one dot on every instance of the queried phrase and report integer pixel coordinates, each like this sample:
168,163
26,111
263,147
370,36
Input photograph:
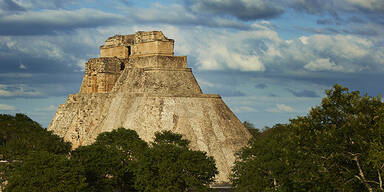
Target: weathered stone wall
148,36
79,118
177,62
101,74
153,48
118,51
164,81
117,46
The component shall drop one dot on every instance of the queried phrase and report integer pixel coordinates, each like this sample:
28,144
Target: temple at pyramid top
139,44
149,49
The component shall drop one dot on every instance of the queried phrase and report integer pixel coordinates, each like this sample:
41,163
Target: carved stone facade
138,84
101,74
140,44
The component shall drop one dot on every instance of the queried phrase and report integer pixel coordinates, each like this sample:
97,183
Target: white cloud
30,4
51,21
242,9
303,40
346,46
341,53
18,91
50,108
222,49
68,50
37,47
205,83
81,64
5,107
244,109
219,56
281,108
322,64
22,66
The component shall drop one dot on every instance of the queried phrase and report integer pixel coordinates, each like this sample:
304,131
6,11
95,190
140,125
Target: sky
270,60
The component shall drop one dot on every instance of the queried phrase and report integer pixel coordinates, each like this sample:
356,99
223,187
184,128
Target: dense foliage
33,159
99,166
44,171
20,137
338,146
171,166
111,162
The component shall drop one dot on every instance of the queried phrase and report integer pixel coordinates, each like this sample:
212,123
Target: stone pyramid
139,84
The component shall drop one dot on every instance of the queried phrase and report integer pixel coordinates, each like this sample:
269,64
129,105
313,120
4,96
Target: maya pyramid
139,84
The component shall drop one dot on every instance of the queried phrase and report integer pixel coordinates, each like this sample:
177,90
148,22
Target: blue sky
271,60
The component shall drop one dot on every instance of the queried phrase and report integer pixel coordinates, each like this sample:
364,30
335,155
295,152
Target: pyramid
139,84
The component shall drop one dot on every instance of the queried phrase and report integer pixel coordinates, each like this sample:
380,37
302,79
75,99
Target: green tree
101,167
19,136
110,162
167,137
336,147
171,166
251,128
44,171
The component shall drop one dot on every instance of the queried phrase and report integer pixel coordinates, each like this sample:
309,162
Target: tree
19,136
251,128
252,172
44,171
110,162
101,167
171,166
129,148
336,147
167,137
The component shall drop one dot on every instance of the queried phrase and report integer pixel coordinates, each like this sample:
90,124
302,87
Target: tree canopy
36,160
100,167
44,171
338,146
20,137
170,166
120,160
110,163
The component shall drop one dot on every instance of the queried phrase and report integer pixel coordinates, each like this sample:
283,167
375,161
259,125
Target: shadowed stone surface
149,91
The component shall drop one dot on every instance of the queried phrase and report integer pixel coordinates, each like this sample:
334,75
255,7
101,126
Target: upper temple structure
139,84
